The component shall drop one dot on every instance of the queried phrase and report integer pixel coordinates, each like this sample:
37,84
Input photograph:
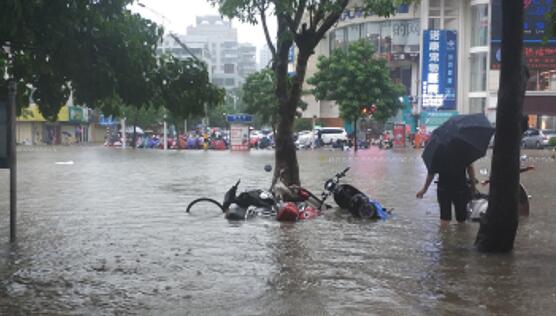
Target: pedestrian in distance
453,189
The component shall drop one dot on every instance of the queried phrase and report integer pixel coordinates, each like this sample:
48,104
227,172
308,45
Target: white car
305,139
330,135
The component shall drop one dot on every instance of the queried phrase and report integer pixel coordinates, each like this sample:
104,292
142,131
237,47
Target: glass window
542,80
477,105
478,72
434,3
332,43
229,68
371,32
385,37
229,82
434,23
479,25
340,37
353,33
405,36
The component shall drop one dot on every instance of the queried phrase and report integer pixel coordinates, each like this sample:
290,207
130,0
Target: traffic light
368,110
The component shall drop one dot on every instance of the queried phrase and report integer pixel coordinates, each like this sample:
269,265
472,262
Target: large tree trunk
288,95
285,154
499,226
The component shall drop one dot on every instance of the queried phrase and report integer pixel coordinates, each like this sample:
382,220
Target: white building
221,40
265,57
247,63
469,32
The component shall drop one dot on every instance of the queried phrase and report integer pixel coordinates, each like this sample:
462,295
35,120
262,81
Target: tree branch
299,13
271,46
331,19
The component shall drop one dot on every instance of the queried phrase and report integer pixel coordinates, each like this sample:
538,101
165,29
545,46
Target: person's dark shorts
456,197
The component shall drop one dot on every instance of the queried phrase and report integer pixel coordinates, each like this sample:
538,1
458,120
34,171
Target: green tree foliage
260,98
303,22
184,87
95,49
355,79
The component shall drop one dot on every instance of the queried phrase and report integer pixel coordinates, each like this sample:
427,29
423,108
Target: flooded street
109,234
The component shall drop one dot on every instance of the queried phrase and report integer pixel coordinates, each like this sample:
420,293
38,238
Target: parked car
330,135
305,139
535,138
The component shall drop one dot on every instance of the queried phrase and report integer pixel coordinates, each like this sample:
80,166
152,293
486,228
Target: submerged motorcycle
352,199
286,203
478,203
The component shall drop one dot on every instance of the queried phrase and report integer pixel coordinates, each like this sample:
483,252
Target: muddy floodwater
108,234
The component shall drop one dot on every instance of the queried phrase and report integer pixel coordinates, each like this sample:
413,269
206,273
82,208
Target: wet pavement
109,234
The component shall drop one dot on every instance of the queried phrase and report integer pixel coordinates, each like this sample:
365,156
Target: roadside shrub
552,142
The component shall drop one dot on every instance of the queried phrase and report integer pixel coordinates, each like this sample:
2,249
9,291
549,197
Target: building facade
247,63
265,57
221,40
446,54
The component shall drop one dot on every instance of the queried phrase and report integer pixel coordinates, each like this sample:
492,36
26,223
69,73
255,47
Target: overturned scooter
243,206
286,203
350,198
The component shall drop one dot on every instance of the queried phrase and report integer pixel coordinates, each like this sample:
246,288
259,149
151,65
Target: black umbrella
458,142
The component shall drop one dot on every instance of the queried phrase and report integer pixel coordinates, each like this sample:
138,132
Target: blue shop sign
439,76
239,118
106,120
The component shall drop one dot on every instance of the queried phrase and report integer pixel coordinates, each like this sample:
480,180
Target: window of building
331,41
385,37
479,25
434,23
371,32
229,68
353,33
478,69
542,80
477,105
340,37
229,82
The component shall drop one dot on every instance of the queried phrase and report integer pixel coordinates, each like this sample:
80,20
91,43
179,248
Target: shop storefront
540,58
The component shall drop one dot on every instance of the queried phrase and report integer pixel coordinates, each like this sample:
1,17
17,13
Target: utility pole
12,90
8,142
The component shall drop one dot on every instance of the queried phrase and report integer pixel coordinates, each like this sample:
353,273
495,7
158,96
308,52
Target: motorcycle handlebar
343,173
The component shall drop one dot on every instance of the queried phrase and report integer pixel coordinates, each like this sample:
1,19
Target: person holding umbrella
450,152
452,189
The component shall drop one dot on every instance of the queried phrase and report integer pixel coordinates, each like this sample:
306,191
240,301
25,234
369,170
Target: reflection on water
109,234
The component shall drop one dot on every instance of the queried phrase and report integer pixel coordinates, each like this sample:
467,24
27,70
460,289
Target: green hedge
552,142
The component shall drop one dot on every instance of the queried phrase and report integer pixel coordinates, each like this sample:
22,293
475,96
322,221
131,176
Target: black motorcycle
350,198
243,206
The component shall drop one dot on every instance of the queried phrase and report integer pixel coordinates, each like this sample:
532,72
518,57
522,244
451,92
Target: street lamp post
8,159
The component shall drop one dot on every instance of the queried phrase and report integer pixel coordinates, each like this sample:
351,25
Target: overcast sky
177,15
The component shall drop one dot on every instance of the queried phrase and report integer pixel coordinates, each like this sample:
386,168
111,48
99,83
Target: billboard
4,134
538,54
439,75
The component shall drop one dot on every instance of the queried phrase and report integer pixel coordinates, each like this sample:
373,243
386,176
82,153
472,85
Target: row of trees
99,52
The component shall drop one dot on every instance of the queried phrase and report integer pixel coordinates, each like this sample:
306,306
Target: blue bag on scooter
380,211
